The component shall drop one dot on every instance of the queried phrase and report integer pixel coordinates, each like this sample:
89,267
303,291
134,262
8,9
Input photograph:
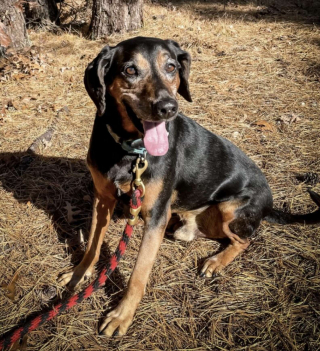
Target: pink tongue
155,138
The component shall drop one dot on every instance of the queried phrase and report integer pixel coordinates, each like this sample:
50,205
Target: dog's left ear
95,75
184,59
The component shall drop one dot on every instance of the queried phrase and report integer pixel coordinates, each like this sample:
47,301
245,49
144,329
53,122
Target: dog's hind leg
215,264
189,228
238,224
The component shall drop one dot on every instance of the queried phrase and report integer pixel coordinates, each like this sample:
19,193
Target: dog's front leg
103,207
121,317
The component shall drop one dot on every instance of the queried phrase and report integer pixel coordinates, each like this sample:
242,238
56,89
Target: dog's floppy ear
94,78
184,59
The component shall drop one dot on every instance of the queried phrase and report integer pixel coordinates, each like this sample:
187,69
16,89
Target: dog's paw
117,321
184,234
211,267
74,277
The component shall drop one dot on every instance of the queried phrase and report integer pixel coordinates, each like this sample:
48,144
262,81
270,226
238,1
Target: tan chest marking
104,187
153,190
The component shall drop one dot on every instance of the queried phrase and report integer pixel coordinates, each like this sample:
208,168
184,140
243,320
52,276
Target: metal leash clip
138,184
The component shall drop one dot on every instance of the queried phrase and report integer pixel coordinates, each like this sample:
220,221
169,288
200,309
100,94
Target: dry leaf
62,69
25,100
20,345
25,103
19,5
47,293
309,178
71,212
64,109
44,139
264,126
235,135
18,76
10,104
11,287
23,64
289,119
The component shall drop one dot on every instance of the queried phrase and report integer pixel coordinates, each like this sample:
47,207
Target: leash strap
135,206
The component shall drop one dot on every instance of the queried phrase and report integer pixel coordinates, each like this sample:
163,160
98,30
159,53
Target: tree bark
41,11
109,16
13,32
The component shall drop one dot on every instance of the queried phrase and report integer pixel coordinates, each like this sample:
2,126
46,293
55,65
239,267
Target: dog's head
143,76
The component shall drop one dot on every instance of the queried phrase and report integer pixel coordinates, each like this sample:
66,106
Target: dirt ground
255,80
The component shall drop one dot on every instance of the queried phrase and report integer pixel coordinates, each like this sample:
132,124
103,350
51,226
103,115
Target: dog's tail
280,217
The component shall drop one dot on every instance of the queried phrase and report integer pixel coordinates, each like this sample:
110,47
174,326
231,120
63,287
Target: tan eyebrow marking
141,62
171,84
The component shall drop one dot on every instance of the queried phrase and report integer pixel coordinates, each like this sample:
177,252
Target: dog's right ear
94,78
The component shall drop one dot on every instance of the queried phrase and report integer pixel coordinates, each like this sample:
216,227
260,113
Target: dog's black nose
166,108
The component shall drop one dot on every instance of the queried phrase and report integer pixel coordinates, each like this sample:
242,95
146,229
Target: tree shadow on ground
76,17
252,11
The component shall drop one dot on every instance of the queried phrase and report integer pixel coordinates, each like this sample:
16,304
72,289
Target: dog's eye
170,68
131,71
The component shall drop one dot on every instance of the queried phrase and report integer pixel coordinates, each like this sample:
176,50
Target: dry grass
250,63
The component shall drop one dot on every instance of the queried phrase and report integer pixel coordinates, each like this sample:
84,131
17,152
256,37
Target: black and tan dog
215,188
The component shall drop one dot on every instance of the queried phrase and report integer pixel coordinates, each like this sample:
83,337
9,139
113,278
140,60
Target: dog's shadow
54,184
62,187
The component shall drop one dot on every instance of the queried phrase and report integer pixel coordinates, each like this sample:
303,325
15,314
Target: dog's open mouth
155,133
155,138
135,120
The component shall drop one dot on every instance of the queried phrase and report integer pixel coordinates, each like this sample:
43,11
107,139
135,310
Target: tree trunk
41,11
109,16
13,32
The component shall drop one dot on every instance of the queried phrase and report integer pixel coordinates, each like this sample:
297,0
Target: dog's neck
115,136
118,123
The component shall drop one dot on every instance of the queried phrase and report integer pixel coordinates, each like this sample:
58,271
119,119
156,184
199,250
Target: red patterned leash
135,207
